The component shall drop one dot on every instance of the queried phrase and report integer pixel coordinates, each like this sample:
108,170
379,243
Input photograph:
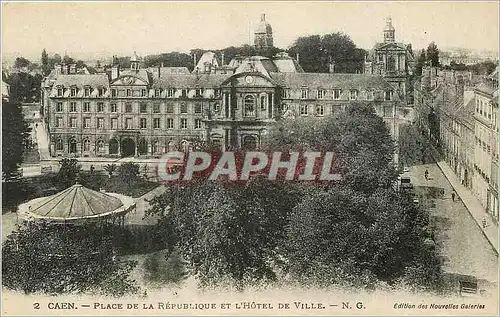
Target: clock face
249,79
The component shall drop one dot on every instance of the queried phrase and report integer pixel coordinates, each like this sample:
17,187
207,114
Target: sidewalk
473,205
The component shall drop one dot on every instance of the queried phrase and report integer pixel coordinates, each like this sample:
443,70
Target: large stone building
486,149
459,112
392,60
148,111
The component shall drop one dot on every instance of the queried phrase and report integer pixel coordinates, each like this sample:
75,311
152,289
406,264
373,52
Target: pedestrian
92,169
426,174
453,196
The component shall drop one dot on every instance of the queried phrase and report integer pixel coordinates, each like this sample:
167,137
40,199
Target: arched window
143,146
86,145
249,106
100,146
59,145
155,147
391,63
184,146
171,146
263,103
249,142
113,146
72,145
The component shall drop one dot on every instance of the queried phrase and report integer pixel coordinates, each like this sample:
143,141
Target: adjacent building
459,113
486,137
392,60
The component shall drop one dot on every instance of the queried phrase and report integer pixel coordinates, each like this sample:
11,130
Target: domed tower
263,34
389,31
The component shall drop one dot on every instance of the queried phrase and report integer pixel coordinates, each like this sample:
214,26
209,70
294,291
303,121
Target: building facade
486,149
145,112
392,60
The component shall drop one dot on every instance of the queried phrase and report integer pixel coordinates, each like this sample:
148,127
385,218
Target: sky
105,28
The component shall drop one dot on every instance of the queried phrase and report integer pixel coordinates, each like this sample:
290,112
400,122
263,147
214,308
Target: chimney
222,59
194,60
297,58
115,72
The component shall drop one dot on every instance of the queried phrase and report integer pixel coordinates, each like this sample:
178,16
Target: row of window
113,107
336,93
142,147
143,92
128,123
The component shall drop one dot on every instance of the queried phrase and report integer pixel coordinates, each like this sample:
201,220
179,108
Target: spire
263,17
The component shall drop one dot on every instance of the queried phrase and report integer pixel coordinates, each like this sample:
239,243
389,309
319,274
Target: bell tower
389,31
263,35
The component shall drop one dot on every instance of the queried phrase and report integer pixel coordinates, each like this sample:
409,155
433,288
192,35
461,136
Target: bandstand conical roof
76,201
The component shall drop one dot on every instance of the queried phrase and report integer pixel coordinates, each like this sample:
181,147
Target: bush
58,259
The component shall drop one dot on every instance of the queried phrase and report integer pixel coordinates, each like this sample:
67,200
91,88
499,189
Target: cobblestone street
461,242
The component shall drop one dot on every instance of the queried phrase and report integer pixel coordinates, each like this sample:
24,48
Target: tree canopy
50,258
317,51
15,137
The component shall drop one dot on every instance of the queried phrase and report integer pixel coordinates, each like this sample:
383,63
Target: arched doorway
128,147
113,146
143,147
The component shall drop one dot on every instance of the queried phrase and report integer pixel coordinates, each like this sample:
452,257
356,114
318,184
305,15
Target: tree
45,63
359,138
54,258
358,240
316,52
433,54
68,60
69,170
228,235
21,62
110,169
414,148
15,137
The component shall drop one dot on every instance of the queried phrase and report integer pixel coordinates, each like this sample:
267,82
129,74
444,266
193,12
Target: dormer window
304,93
388,95
184,93
101,91
87,91
336,94
199,92
370,95
170,93
129,93
285,93
60,91
73,91
157,93
321,94
143,92
217,93
353,94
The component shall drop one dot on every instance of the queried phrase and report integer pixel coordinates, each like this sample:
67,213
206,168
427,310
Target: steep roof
75,202
330,80
78,80
171,80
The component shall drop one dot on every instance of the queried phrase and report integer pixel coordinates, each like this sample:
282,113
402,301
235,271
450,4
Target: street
460,241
